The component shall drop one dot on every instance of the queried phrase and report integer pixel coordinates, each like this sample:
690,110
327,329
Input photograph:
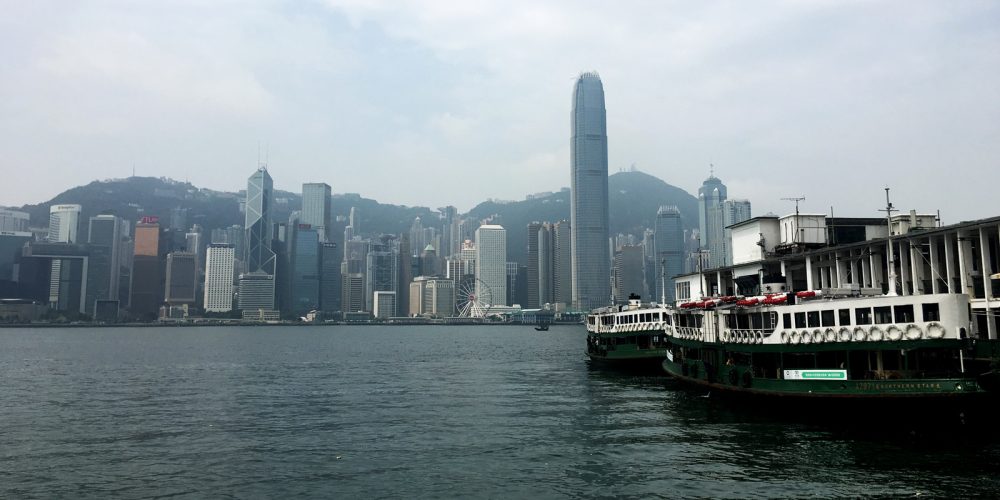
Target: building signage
815,374
150,219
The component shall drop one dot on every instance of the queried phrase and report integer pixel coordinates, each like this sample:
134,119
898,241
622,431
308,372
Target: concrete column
840,269
788,277
965,264
935,266
853,267
809,273
916,268
904,269
866,269
984,253
949,272
721,290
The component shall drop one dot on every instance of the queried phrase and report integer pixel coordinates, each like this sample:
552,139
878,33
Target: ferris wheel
473,304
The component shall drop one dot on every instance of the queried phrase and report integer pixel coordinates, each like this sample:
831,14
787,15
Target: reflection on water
422,411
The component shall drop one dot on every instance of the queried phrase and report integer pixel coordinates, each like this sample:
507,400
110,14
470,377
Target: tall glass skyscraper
591,263
669,243
316,208
260,197
711,196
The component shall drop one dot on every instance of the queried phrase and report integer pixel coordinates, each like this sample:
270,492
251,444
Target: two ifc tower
589,227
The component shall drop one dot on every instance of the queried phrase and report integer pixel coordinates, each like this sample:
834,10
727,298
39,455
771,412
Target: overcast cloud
434,103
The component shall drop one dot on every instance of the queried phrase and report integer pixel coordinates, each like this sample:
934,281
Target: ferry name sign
815,374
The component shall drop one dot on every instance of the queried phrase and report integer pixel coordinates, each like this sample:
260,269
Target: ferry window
813,319
883,315
845,317
730,321
863,315
800,320
904,314
827,317
743,321
932,312
786,320
757,321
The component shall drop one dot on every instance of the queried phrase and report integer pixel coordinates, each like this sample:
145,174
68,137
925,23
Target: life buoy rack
913,332
893,333
830,335
935,331
793,338
860,334
805,337
876,334
784,337
817,336
844,334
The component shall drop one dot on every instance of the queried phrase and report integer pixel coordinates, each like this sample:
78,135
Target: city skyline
785,100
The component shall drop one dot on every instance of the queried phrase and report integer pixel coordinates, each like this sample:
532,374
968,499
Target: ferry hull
649,361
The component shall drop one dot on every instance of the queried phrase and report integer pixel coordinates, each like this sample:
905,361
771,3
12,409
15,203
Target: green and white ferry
834,344
631,337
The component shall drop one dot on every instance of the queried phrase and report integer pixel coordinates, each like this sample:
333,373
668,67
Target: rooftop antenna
795,237
711,170
892,260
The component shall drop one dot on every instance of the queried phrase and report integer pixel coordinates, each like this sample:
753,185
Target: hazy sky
433,103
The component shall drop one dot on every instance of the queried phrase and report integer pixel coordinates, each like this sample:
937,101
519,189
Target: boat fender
876,334
845,334
860,334
893,333
747,378
830,335
734,377
913,332
935,331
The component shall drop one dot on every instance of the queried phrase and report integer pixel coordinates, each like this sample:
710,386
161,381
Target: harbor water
424,411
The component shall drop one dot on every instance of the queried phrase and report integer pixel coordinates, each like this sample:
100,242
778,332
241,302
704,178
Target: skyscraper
591,266
316,210
536,296
261,262
147,274
304,269
181,282
669,242
628,277
107,230
219,278
64,222
260,199
14,221
711,195
491,263
733,212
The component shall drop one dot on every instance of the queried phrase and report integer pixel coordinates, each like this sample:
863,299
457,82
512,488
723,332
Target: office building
628,277
261,260
64,223
491,263
107,230
384,304
591,266
733,212
12,221
381,270
316,209
219,273
182,279
329,277
305,270
711,196
147,283
670,256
